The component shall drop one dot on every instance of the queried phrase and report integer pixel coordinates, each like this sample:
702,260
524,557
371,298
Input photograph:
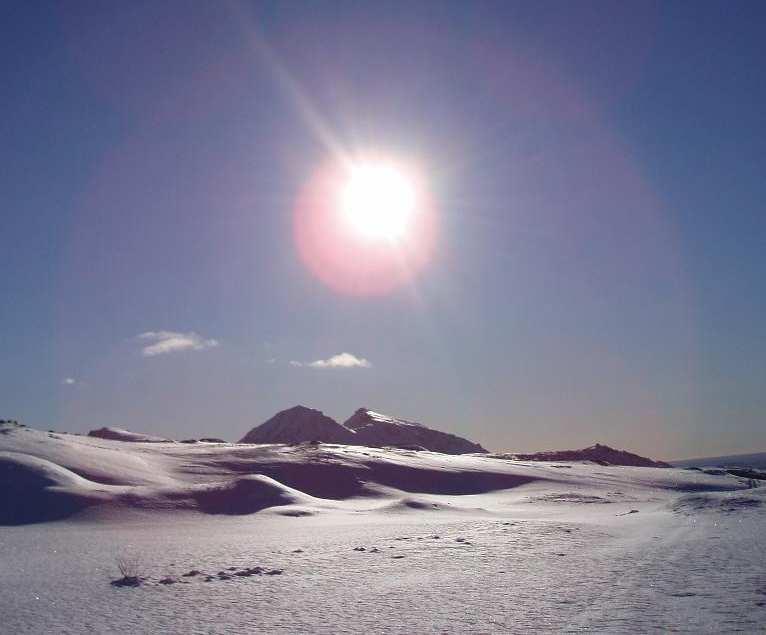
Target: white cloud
341,360
160,342
69,381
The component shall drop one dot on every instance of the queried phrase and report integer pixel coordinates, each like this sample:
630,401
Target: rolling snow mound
47,476
118,434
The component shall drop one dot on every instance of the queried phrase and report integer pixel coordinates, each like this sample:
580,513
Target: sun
378,201
366,224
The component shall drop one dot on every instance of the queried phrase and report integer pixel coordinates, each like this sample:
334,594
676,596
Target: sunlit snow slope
321,538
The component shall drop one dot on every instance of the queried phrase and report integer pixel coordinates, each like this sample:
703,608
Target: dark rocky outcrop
364,427
118,434
298,425
378,430
602,454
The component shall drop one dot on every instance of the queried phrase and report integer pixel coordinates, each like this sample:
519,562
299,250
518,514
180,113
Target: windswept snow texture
598,453
118,434
324,538
757,461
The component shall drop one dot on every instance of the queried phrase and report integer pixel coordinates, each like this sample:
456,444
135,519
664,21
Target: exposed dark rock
379,430
127,581
601,454
301,425
747,473
298,425
118,434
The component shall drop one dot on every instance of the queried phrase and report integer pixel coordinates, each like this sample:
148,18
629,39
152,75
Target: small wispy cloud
69,381
341,360
161,342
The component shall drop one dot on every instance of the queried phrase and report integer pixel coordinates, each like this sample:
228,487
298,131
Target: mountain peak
377,429
300,408
299,424
365,427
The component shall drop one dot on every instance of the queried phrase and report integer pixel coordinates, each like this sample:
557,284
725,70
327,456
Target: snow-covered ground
757,460
354,539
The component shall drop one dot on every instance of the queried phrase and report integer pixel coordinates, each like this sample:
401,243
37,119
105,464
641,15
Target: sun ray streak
307,111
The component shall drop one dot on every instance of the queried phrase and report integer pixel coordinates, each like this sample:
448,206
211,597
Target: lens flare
379,201
365,227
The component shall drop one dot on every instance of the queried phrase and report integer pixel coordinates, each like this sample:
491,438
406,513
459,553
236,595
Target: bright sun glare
378,200
367,224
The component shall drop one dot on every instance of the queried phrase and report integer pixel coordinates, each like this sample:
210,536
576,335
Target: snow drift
50,476
487,543
118,434
34,489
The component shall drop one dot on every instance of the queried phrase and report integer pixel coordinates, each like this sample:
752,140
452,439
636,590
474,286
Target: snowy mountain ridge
370,417
597,453
299,424
365,427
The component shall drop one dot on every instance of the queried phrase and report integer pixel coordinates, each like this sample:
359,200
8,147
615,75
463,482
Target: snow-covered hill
46,476
379,430
327,538
597,453
757,460
118,434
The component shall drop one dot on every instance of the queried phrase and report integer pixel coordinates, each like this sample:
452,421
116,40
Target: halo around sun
365,226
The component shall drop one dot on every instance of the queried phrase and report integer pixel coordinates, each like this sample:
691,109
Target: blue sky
597,178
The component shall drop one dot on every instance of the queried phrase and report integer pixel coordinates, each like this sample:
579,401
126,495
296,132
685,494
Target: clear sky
594,267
